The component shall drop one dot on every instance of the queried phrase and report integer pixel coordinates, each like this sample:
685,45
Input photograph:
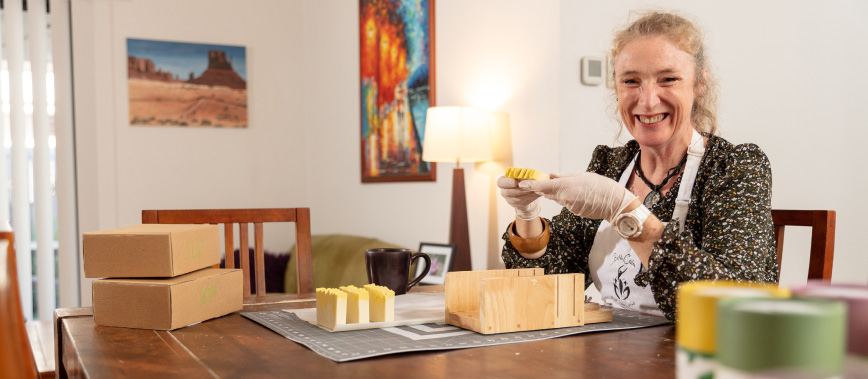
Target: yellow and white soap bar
358,302
382,304
331,307
525,173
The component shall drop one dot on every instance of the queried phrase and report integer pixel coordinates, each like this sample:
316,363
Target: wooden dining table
234,346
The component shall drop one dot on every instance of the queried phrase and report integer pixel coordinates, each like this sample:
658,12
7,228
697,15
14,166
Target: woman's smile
651,120
656,88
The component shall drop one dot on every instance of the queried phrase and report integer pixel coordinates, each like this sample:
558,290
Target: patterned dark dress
727,234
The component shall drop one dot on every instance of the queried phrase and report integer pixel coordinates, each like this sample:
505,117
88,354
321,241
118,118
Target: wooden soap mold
502,301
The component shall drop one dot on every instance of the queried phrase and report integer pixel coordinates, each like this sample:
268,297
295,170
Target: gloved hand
526,203
586,194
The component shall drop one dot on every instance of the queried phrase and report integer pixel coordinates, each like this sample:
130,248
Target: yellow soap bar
382,304
331,307
525,173
358,302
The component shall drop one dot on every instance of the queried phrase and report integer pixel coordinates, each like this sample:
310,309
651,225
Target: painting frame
186,84
392,132
442,261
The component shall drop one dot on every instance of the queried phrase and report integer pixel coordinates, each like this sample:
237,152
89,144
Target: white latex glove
526,203
586,194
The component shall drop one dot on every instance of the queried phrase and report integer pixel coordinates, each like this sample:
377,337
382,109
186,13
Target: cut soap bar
331,307
525,173
357,304
382,303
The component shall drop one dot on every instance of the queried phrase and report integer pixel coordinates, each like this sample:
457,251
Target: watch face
628,226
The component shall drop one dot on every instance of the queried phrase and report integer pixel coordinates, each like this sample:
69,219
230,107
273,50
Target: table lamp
458,134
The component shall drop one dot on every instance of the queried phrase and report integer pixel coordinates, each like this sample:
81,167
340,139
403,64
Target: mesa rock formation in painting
219,73
218,97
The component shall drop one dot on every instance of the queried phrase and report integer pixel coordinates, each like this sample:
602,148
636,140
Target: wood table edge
59,315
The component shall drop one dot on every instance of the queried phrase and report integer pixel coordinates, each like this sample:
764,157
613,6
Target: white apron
613,263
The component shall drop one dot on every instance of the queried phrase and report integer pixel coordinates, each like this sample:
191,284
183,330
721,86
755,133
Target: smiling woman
676,204
656,89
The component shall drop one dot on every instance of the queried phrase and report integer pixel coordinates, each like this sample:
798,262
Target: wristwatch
629,224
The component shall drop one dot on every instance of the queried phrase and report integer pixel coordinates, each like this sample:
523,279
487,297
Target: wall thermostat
593,70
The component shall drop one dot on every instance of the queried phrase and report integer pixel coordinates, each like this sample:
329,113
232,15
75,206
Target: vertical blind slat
20,183
41,160
68,265
4,173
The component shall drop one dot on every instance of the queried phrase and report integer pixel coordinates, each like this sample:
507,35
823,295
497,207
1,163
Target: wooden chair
242,217
822,225
16,358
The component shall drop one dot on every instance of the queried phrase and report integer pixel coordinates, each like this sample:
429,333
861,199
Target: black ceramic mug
391,268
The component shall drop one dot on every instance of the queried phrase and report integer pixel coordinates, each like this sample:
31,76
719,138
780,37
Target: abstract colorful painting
186,84
397,87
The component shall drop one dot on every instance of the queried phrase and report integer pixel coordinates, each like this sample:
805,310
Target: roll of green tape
804,336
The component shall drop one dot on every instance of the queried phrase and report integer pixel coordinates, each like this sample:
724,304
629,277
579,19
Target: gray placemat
359,344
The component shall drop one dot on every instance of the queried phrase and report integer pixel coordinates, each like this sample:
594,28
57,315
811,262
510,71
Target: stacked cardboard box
158,276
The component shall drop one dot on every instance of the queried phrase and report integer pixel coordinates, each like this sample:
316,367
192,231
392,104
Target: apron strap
694,156
625,178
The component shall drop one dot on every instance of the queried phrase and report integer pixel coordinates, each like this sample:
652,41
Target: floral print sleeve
727,232
567,252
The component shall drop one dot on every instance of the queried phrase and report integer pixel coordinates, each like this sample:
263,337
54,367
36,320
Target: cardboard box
167,303
150,251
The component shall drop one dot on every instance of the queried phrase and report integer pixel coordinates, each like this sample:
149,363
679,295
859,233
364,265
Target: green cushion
338,260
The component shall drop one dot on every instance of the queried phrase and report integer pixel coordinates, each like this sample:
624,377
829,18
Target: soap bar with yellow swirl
382,303
525,173
331,307
357,304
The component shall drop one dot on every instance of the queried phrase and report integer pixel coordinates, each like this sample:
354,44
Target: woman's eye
630,81
670,80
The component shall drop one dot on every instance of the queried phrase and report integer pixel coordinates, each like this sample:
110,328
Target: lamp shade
457,134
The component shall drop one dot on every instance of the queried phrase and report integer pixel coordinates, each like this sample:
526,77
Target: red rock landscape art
184,84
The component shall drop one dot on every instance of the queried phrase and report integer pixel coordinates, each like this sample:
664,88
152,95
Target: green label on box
195,250
208,294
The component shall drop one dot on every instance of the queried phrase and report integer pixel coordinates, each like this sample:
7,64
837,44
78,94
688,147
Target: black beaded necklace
654,196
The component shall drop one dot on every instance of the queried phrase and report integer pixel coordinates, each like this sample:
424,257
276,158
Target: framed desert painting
397,88
186,84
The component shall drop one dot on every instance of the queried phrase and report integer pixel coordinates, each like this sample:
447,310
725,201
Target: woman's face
655,84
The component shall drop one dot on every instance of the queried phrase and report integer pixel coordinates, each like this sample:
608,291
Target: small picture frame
441,262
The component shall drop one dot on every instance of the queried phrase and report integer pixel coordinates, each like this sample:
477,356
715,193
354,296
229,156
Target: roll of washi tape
856,299
695,330
780,338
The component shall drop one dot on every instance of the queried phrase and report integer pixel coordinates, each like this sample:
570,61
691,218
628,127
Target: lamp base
459,231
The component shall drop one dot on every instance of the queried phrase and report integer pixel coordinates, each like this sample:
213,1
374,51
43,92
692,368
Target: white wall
302,146
482,60
123,170
789,83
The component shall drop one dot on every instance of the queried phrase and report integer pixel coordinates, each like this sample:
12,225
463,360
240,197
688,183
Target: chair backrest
16,358
242,217
822,223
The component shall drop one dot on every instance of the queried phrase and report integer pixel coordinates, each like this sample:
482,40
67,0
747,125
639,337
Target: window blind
38,156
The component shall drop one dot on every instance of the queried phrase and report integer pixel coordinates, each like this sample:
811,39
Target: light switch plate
593,70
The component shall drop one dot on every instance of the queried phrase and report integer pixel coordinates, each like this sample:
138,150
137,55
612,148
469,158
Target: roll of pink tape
856,299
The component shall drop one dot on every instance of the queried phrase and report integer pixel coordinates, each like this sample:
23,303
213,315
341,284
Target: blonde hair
687,37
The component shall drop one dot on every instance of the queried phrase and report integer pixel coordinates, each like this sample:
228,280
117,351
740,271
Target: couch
338,260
